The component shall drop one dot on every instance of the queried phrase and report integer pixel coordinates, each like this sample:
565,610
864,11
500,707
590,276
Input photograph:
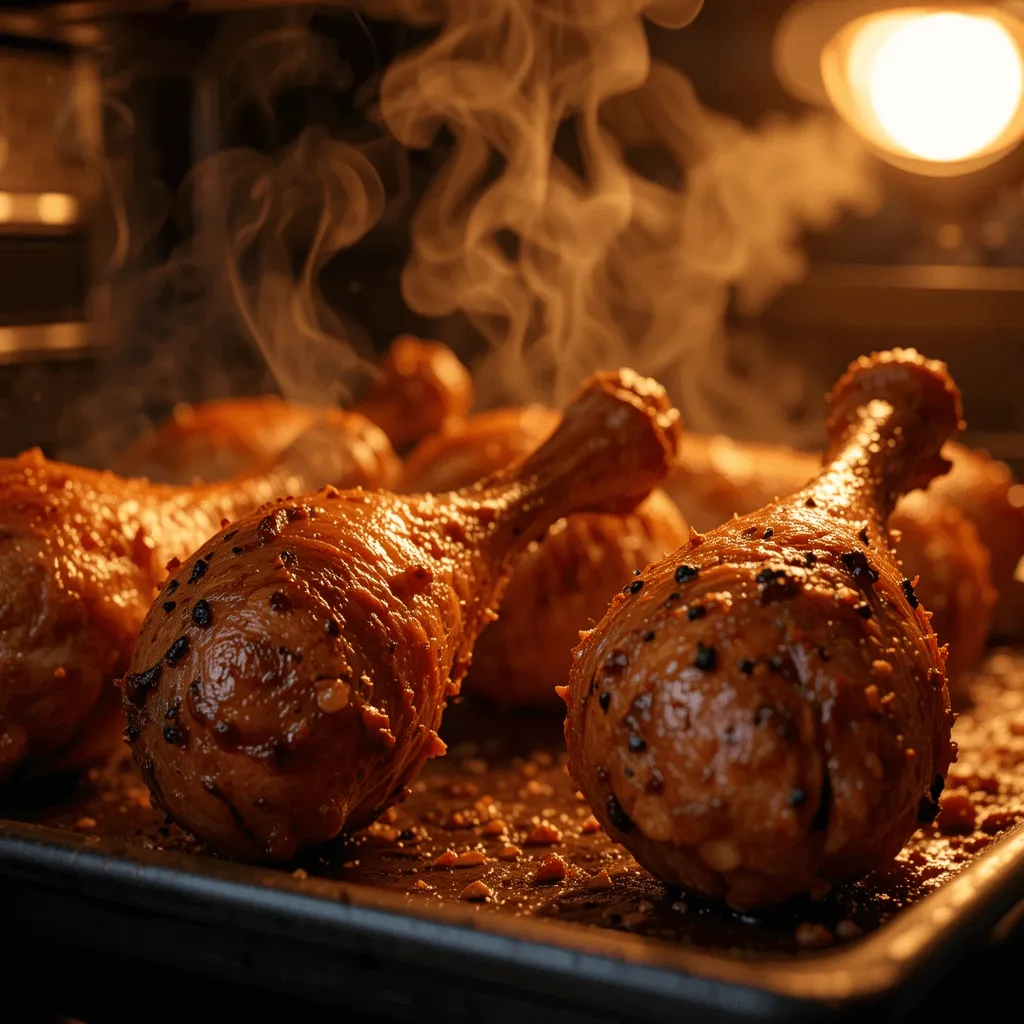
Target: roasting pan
87,867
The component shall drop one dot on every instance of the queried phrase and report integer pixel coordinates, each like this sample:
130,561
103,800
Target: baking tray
376,925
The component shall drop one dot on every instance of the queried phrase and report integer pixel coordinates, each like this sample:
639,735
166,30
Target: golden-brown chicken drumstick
767,707
297,685
934,530
81,554
562,583
420,386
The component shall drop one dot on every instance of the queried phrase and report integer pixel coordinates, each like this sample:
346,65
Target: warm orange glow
929,85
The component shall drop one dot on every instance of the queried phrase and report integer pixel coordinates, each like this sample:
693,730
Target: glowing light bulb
941,86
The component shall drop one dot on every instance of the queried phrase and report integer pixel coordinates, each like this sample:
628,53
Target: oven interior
210,199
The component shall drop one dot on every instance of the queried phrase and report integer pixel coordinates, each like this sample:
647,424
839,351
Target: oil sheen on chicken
766,709
943,535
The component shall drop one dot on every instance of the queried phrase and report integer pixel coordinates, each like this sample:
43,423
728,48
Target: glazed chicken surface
81,555
766,709
295,685
420,385
562,583
942,536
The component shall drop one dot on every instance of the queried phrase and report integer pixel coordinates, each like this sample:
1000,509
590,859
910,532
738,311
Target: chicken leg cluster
767,708
293,682
81,554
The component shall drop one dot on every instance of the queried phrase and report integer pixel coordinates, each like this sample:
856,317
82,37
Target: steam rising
570,267
590,214
321,195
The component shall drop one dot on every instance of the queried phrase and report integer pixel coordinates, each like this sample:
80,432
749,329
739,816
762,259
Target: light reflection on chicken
767,708
81,555
562,583
936,532
295,687
420,386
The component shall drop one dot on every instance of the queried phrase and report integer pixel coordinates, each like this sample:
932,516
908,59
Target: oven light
934,88
938,91
941,86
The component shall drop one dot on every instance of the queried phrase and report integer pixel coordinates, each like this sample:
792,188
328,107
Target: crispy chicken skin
420,385
563,582
81,555
767,707
298,683
938,547
936,532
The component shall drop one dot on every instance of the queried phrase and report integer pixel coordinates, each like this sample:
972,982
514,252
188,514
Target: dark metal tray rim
905,953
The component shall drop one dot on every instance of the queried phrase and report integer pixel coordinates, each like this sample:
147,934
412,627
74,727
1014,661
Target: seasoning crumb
552,869
85,823
386,833
544,834
497,827
476,892
536,788
423,886
301,874
469,859
589,826
813,935
706,659
957,812
446,860
509,853
601,881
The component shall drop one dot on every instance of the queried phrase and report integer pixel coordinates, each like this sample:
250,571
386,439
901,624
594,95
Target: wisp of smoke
549,229
259,226
567,266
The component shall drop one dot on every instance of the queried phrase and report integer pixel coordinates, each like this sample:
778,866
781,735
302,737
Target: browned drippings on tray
497,825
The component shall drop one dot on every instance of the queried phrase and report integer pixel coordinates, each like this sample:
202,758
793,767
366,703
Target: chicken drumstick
768,708
563,582
421,385
81,554
297,684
